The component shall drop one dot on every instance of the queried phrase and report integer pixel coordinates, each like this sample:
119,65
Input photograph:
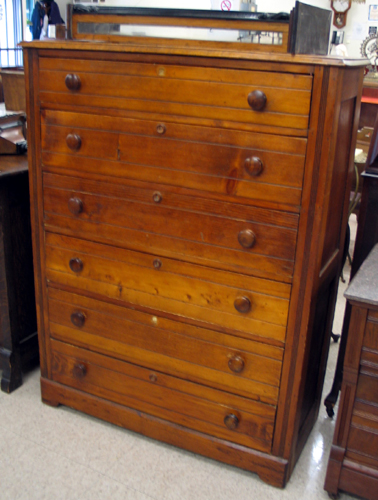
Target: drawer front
227,95
207,410
259,167
239,238
237,365
363,432
252,306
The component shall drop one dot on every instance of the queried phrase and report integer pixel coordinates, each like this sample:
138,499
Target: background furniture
18,328
353,463
366,238
189,208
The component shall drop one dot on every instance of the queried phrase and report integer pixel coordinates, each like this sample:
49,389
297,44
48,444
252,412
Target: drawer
260,167
371,333
251,306
164,221
240,366
228,96
207,410
367,385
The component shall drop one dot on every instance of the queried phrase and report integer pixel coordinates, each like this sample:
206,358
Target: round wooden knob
72,82
76,265
231,421
78,319
157,263
79,371
73,142
253,166
161,128
236,364
157,197
242,304
247,238
257,100
75,205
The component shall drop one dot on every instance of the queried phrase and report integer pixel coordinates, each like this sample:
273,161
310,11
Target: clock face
369,49
340,5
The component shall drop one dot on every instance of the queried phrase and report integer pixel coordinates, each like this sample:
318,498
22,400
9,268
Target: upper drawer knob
242,304
75,205
79,371
247,238
76,265
73,142
257,100
236,364
253,166
231,421
78,319
72,82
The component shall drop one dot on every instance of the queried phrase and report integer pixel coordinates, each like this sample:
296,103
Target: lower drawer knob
78,319
73,142
236,364
257,100
76,265
247,238
253,166
231,421
79,371
242,304
75,205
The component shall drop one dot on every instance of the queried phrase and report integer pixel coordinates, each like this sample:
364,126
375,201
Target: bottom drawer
207,410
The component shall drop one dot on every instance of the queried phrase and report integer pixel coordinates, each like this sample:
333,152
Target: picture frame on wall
373,12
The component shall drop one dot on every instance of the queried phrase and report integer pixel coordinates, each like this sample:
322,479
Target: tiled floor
57,453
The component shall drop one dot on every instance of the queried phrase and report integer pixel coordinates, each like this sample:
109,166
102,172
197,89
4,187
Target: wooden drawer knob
79,371
76,265
231,421
72,82
161,129
257,100
73,142
242,304
78,319
247,238
75,205
236,364
253,166
157,197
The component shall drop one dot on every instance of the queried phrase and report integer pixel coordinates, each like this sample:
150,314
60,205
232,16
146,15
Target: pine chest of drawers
189,207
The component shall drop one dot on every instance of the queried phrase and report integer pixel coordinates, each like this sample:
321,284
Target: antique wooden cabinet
353,463
189,206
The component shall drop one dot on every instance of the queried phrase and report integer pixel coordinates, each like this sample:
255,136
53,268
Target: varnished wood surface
174,49
353,463
13,164
154,341
155,218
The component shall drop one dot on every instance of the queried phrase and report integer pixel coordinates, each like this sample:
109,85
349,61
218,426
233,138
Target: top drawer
237,98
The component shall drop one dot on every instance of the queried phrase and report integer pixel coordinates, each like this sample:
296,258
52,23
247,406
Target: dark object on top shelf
310,30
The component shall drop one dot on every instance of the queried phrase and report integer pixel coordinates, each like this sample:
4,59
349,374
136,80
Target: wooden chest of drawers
353,463
188,237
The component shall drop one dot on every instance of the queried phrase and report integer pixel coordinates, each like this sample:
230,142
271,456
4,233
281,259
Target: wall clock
340,8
